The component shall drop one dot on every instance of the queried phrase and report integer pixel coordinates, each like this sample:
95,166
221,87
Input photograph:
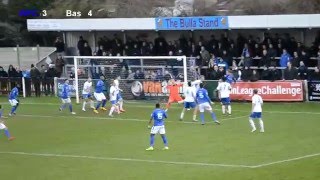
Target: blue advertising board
192,23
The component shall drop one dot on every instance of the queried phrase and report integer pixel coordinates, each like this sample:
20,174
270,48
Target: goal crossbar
75,58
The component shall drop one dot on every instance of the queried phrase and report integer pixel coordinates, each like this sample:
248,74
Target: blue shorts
119,97
86,96
189,105
225,101
113,102
256,115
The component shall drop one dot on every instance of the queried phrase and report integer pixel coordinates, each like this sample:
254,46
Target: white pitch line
152,106
287,160
128,159
122,119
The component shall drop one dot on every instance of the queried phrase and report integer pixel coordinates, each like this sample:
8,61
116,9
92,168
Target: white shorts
158,129
99,96
204,106
2,126
13,102
68,100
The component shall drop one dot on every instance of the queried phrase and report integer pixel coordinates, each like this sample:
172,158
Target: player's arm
196,82
208,98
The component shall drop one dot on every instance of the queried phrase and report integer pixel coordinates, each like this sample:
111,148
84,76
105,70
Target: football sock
84,104
164,139
70,107
182,113
63,106
223,109
111,110
104,103
98,105
194,117
213,116
229,109
91,104
202,117
13,109
121,105
261,124
6,132
252,124
152,140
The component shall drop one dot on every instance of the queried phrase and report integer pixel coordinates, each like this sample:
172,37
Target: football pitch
57,145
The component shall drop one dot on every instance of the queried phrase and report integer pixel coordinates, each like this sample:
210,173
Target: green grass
292,131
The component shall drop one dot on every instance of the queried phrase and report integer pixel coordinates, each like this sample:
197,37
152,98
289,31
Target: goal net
139,77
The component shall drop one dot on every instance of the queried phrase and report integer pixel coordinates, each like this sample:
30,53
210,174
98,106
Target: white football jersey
87,88
189,94
224,88
113,93
257,101
196,84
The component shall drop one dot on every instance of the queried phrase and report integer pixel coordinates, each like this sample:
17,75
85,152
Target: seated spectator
222,72
265,59
302,71
305,58
136,51
296,59
245,61
226,57
272,53
315,75
222,63
290,73
87,50
265,73
139,75
274,73
257,50
246,74
285,58
215,74
100,51
255,76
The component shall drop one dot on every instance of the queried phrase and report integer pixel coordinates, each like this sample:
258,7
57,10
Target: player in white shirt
113,99
189,98
119,97
224,89
87,94
256,112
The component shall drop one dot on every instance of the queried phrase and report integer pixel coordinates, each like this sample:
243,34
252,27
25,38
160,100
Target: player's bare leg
121,106
168,105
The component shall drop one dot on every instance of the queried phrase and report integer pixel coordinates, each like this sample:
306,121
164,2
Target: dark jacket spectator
315,75
265,59
3,73
51,72
272,53
205,56
226,57
274,74
59,64
265,74
145,49
296,59
215,74
233,50
246,74
305,58
36,79
87,51
59,44
136,51
255,76
161,50
12,72
290,73
100,51
80,45
302,71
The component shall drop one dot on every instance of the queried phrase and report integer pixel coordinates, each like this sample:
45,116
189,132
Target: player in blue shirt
65,97
99,95
204,102
13,100
158,116
4,127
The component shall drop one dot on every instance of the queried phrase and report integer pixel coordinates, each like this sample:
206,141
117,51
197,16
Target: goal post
151,63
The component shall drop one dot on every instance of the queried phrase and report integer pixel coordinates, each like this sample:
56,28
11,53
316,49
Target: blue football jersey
14,93
202,96
99,86
65,91
158,116
230,78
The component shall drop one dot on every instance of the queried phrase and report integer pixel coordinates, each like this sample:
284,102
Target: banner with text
192,23
270,91
314,91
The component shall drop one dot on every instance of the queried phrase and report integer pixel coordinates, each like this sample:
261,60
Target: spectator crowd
249,59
